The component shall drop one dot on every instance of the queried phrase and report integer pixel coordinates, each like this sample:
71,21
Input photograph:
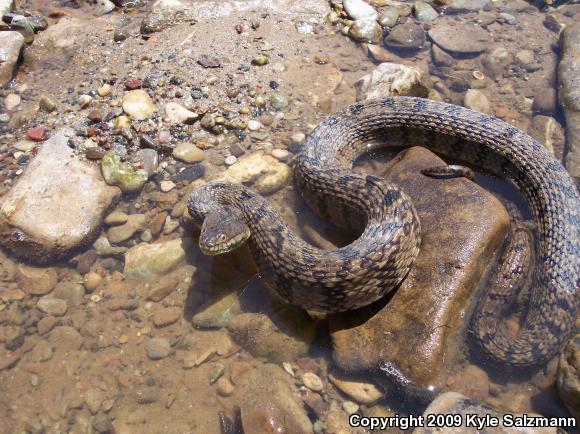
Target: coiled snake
362,272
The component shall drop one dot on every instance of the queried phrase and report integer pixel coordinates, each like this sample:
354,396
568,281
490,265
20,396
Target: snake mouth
218,248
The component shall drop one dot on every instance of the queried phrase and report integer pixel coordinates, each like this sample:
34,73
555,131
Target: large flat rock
569,78
57,205
414,337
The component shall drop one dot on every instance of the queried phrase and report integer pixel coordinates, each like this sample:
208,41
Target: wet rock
123,175
46,104
441,57
157,348
569,97
476,100
52,306
34,280
150,160
189,174
424,12
546,101
269,402
402,338
146,261
389,18
10,46
37,134
277,342
455,403
42,352
103,246
472,381
45,325
568,380
92,281
68,214
138,105
406,37
167,316
188,152
218,311
263,173
460,38
360,391
359,10
65,339
177,114
496,61
278,101
461,6
175,280
135,223
71,292
116,218
93,399
391,79
366,30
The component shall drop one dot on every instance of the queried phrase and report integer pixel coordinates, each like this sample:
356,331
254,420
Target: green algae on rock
123,175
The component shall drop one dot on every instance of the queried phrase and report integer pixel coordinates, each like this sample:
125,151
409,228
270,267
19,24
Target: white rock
166,186
264,173
391,79
230,160
138,105
254,125
280,154
358,9
6,6
57,205
12,100
177,114
10,46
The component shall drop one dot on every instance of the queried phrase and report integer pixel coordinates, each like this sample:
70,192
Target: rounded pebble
312,381
92,281
157,348
229,161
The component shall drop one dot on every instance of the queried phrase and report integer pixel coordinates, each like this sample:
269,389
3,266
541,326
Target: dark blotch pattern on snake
360,273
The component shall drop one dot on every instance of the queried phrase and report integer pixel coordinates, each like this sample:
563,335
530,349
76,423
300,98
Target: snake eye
221,238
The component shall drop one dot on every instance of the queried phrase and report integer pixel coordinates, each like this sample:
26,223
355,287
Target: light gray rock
359,10
10,46
389,18
56,206
424,12
460,38
476,100
460,6
157,348
569,97
391,79
177,114
147,261
52,306
6,6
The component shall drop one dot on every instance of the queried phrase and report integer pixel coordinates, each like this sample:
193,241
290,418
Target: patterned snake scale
360,273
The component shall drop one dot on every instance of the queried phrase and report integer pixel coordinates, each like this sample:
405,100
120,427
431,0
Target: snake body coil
360,273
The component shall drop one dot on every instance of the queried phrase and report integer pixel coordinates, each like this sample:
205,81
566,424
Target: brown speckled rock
414,337
56,206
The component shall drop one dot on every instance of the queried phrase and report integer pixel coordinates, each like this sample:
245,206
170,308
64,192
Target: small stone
105,90
45,325
545,101
157,348
138,105
124,175
52,306
147,261
11,101
389,18
263,172
358,9
260,60
94,398
225,387
366,30
149,159
97,115
391,79
37,134
460,38
312,381
135,223
230,160
95,153
167,316
122,122
476,100
278,101
133,83
92,281
166,186
209,61
208,121
116,218
361,392
280,154
424,12
188,152
216,372
177,114
254,125
85,100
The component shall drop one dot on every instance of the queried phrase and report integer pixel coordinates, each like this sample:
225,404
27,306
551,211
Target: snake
349,277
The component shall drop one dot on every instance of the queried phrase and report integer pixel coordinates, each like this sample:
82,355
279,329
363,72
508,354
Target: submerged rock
391,79
359,10
147,261
452,404
460,38
124,175
569,97
462,227
569,376
56,206
406,37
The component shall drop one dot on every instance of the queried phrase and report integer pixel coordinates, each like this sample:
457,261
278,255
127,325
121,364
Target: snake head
222,232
